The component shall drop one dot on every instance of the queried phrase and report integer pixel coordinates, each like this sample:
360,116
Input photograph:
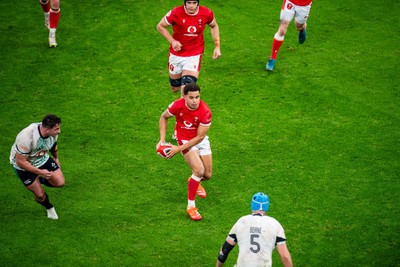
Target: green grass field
320,135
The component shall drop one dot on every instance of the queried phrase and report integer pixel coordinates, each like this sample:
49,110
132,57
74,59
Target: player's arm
228,245
54,153
163,125
162,29
201,134
22,162
215,35
285,255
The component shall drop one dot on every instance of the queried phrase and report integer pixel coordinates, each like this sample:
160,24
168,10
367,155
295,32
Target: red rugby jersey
189,29
187,120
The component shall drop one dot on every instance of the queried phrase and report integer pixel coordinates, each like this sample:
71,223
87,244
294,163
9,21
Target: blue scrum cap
260,201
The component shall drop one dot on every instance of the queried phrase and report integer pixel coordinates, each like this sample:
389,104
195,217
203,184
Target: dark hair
198,1
190,87
50,120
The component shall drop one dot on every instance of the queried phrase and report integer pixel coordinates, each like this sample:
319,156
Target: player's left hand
217,53
175,150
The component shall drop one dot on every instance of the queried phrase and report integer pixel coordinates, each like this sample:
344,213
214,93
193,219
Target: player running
51,10
187,41
193,120
298,9
32,163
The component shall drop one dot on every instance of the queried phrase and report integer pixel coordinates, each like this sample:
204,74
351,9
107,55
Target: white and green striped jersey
33,145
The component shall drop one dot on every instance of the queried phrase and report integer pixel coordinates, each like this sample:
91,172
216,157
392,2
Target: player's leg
194,161
205,153
57,178
31,182
192,158
286,16
190,70
207,163
46,10
39,194
175,81
175,72
206,157
302,13
302,32
42,198
189,77
54,18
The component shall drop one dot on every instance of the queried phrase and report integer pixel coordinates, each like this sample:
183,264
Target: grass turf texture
319,135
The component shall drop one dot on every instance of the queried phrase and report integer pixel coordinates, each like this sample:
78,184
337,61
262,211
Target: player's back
256,237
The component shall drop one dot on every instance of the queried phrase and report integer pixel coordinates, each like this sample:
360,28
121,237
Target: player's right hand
176,45
45,174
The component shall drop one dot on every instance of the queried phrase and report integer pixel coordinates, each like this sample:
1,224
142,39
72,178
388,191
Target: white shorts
290,10
203,147
177,64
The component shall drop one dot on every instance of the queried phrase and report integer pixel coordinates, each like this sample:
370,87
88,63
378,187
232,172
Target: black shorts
27,178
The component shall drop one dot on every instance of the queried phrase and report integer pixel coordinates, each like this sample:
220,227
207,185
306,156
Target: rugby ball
163,149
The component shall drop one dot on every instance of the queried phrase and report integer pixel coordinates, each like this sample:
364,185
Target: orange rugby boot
194,214
201,192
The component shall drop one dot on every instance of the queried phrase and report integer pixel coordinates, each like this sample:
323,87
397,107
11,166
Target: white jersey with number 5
257,236
33,145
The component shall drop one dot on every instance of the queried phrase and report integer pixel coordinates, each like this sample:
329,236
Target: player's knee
188,79
207,175
281,32
301,27
58,181
55,4
175,82
40,197
199,172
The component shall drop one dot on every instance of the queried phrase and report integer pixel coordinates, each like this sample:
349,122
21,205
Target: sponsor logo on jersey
192,31
187,124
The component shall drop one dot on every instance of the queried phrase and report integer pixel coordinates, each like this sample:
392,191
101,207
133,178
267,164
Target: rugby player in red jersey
193,120
187,41
298,9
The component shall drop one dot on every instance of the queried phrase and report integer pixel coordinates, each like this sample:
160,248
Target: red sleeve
171,16
210,17
173,108
206,120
